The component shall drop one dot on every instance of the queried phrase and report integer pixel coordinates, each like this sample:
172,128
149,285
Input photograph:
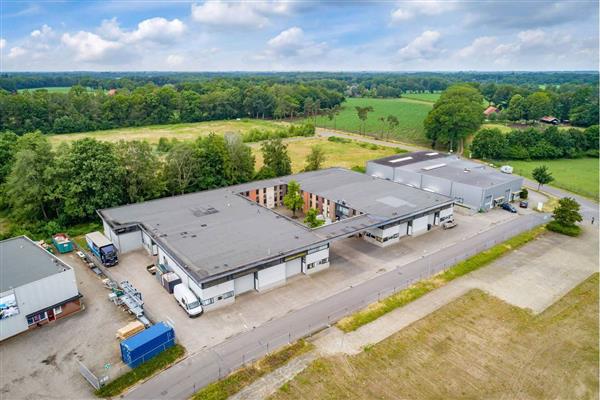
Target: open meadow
579,175
51,89
337,154
427,97
184,131
475,347
410,114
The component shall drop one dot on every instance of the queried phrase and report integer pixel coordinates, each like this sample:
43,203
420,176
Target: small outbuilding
36,288
490,110
550,120
470,184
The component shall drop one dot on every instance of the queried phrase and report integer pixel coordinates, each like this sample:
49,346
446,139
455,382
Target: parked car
449,224
509,207
187,300
523,204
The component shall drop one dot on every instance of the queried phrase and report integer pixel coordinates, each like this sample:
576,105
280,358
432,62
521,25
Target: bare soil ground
475,347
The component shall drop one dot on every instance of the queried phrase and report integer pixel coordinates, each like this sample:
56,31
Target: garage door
243,284
293,267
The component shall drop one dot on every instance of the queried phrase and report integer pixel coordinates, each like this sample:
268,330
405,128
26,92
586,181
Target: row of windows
212,300
380,239
317,263
34,319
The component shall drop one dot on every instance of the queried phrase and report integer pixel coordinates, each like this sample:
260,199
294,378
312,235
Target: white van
187,300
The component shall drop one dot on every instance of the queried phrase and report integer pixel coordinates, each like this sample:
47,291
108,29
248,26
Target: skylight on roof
435,166
432,154
401,159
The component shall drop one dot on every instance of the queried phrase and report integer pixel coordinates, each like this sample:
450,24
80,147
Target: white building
36,288
229,241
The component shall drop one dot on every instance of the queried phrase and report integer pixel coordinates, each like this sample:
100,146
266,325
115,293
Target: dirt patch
50,360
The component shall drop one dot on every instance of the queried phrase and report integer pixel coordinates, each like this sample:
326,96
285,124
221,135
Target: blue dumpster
148,343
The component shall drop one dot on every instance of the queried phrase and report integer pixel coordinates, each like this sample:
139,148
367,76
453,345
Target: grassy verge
235,382
145,370
419,289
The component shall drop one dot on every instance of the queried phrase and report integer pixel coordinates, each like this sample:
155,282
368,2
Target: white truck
187,300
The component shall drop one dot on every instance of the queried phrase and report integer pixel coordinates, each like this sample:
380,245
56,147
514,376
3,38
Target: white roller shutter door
243,284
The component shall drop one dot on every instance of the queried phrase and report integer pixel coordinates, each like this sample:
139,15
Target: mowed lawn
410,114
51,89
477,347
185,131
428,97
579,175
345,155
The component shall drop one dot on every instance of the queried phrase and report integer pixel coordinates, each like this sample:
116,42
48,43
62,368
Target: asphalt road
198,370
589,208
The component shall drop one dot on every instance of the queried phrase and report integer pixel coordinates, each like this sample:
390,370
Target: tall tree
489,143
293,198
91,178
566,212
8,148
517,108
542,175
29,183
457,114
181,168
315,158
539,104
276,158
363,115
215,169
242,159
142,179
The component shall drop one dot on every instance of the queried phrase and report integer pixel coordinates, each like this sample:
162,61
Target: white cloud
89,46
154,29
249,14
16,52
480,45
174,60
293,42
2,43
411,9
425,46
44,31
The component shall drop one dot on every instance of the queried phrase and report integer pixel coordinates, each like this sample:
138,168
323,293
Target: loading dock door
243,284
293,267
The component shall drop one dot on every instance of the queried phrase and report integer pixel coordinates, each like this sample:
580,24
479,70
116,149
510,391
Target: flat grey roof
451,167
219,231
22,262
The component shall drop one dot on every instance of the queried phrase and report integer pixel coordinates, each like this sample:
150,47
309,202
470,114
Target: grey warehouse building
473,185
228,241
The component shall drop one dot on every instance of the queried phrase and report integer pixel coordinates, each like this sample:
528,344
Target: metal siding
380,171
437,185
243,284
129,241
293,267
271,277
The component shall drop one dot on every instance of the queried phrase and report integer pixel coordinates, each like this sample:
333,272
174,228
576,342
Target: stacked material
129,330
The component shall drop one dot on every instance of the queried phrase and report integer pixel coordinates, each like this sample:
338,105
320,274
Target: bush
358,168
555,226
337,139
256,135
524,193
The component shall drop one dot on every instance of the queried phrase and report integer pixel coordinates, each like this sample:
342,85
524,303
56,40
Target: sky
310,35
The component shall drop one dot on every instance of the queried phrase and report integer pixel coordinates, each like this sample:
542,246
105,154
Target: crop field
579,175
187,131
337,154
428,97
475,347
410,114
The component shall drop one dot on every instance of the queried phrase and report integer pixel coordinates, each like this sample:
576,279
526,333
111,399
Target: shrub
337,139
524,193
555,226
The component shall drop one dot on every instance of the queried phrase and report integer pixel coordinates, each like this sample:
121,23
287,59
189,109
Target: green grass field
428,97
345,155
187,131
51,89
409,112
578,175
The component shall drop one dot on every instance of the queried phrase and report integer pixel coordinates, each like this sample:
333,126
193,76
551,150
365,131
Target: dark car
523,204
509,207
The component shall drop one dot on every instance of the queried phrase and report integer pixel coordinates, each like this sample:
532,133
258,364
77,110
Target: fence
223,359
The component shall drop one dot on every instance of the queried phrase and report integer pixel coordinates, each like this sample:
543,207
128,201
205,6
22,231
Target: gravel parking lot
43,363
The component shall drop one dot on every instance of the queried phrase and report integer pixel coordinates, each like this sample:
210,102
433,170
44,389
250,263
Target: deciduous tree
293,198
542,175
315,158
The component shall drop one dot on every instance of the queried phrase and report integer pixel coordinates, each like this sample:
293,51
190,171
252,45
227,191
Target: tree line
576,103
535,144
45,189
83,110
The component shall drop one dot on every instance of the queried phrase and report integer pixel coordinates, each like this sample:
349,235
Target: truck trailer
102,248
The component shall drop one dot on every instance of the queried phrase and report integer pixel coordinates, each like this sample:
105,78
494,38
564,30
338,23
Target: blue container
143,346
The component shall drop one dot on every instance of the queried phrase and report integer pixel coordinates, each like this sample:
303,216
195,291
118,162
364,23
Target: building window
57,310
324,261
310,266
34,319
208,302
227,295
